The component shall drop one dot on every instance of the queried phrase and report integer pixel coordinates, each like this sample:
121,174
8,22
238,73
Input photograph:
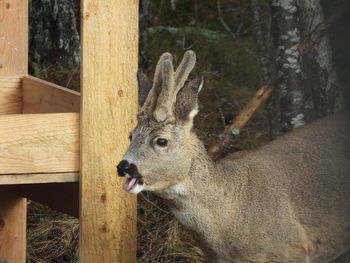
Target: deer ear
187,100
144,85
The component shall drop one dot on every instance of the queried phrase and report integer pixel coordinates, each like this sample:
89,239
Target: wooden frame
108,111
53,139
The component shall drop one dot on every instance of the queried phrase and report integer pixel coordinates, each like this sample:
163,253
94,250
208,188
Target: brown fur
288,201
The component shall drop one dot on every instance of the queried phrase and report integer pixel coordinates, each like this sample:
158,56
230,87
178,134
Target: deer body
288,201
285,202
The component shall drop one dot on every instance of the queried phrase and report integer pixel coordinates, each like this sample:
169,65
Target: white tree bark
289,77
319,72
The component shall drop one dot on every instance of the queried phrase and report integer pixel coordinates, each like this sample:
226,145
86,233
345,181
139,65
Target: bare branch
245,115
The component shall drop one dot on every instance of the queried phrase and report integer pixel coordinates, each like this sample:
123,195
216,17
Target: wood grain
12,225
109,105
13,65
11,179
40,96
39,143
10,95
13,37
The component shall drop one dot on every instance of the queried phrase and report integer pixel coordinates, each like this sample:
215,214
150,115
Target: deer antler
172,82
150,103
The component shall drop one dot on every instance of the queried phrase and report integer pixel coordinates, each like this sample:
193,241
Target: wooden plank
39,143
63,197
40,96
13,64
11,179
13,37
12,225
10,95
109,107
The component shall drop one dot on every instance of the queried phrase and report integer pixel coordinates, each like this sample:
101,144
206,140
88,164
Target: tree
307,82
54,38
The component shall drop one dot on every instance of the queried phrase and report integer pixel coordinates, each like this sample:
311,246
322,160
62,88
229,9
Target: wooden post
13,65
12,226
108,111
13,37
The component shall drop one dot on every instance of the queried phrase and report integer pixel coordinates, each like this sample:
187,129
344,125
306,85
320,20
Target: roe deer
288,201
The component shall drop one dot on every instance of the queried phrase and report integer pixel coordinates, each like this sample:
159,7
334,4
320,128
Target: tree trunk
340,42
289,82
54,33
308,82
144,18
318,68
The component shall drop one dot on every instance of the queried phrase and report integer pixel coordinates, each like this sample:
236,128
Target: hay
52,237
160,236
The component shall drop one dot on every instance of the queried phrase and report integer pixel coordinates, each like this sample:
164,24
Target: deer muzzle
129,170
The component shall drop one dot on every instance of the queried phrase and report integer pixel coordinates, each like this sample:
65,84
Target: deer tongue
129,183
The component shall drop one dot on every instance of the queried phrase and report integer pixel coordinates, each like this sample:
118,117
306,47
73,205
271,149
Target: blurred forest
240,45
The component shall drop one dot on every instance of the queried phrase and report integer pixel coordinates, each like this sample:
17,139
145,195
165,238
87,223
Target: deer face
159,155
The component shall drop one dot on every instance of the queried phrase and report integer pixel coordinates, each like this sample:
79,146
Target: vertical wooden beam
13,64
12,226
13,37
108,110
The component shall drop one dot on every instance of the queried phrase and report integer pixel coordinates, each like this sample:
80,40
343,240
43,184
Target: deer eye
130,137
162,142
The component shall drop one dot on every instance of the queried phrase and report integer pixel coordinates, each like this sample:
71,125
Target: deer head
159,155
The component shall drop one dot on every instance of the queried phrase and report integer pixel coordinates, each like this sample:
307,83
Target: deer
287,201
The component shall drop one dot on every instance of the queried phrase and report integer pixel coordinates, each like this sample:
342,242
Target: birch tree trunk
308,84
289,83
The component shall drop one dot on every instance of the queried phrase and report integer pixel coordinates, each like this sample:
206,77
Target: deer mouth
131,183
134,178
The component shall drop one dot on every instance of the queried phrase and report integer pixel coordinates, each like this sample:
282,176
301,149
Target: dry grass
52,237
160,236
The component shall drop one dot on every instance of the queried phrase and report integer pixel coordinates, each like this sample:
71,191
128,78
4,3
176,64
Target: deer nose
123,167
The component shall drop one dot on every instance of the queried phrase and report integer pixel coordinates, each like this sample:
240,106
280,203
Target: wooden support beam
43,178
40,96
13,37
39,143
13,65
109,107
12,225
10,95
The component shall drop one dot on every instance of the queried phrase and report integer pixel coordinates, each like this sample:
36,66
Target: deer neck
202,184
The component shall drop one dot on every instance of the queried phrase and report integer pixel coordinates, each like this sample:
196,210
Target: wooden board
12,225
13,65
109,106
11,179
39,143
10,95
40,96
13,37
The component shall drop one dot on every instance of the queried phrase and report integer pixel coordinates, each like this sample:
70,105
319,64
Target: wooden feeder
59,147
